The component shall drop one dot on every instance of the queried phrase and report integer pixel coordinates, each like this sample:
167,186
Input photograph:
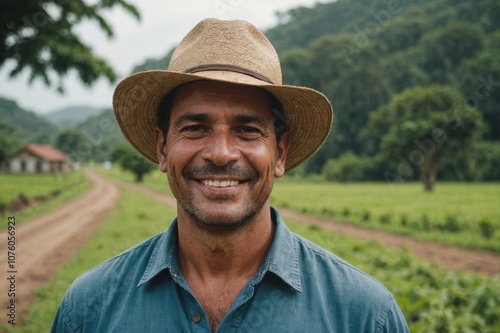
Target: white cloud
163,24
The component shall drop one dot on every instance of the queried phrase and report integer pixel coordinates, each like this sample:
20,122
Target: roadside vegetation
28,195
154,180
432,299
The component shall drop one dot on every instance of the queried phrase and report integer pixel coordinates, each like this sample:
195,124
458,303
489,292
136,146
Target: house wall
23,162
26,162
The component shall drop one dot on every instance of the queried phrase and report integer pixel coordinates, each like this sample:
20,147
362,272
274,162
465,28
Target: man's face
221,153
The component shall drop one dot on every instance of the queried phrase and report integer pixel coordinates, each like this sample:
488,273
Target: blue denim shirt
300,287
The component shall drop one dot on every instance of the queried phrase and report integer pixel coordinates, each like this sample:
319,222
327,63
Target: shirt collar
282,259
164,255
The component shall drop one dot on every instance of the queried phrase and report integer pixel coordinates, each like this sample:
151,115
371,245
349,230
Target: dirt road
46,242
447,256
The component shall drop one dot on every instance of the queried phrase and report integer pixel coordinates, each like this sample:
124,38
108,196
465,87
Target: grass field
155,180
432,299
462,214
57,188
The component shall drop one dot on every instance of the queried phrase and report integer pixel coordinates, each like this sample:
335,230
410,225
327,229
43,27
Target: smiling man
222,126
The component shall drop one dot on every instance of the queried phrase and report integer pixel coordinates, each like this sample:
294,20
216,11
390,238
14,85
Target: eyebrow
204,118
191,117
249,119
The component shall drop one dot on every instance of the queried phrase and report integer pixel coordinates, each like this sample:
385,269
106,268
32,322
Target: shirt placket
198,321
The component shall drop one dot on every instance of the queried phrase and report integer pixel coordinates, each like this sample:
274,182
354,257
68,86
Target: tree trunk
139,177
428,172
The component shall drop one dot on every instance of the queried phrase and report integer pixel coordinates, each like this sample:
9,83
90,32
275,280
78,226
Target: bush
487,227
404,219
479,164
426,222
451,224
346,168
346,211
385,218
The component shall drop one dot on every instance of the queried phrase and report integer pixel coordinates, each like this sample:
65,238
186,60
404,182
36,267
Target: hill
151,64
31,127
363,53
71,115
102,133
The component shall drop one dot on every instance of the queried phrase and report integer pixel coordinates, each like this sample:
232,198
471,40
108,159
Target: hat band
231,68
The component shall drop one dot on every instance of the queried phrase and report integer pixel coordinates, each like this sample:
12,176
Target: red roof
46,152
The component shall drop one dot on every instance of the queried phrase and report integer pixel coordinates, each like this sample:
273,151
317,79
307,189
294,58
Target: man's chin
222,220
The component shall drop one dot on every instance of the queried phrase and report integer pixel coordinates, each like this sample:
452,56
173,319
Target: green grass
60,188
452,214
34,185
135,219
155,180
432,299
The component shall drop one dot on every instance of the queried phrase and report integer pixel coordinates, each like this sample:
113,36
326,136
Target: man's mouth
220,183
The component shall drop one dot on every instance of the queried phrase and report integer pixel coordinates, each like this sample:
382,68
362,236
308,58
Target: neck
224,255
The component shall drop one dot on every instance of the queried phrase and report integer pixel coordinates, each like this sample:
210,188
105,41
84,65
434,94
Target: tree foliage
39,35
10,141
73,143
422,125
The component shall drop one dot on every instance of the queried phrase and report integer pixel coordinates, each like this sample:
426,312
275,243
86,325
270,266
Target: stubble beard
221,223
228,224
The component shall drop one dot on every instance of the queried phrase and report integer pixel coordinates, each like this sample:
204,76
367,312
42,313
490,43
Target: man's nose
221,148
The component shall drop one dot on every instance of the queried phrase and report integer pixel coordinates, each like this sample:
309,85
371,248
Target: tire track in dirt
46,242
451,257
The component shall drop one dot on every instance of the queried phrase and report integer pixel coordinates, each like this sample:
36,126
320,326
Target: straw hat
224,51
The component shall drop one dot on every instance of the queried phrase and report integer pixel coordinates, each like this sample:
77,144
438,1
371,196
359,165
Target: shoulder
110,277
317,258
344,289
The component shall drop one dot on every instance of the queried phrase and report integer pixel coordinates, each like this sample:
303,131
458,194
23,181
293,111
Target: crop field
432,299
462,214
47,190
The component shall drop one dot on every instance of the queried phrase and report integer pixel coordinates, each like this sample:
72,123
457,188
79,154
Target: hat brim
136,100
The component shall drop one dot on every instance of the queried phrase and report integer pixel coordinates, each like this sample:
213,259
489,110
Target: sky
163,24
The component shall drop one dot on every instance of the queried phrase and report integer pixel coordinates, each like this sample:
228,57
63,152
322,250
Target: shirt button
175,276
197,318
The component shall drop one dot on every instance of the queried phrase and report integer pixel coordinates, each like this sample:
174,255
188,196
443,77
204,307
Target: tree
39,35
423,124
130,160
10,141
74,144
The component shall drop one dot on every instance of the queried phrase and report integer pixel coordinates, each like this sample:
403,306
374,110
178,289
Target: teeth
218,183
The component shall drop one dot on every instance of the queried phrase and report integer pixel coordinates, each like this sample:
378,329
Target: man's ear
161,150
282,152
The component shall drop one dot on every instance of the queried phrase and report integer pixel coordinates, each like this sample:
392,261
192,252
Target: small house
37,158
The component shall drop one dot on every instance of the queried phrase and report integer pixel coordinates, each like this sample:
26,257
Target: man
221,126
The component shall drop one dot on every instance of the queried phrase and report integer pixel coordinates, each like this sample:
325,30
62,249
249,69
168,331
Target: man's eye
249,130
193,128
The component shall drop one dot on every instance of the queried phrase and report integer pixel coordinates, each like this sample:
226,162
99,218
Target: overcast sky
163,24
